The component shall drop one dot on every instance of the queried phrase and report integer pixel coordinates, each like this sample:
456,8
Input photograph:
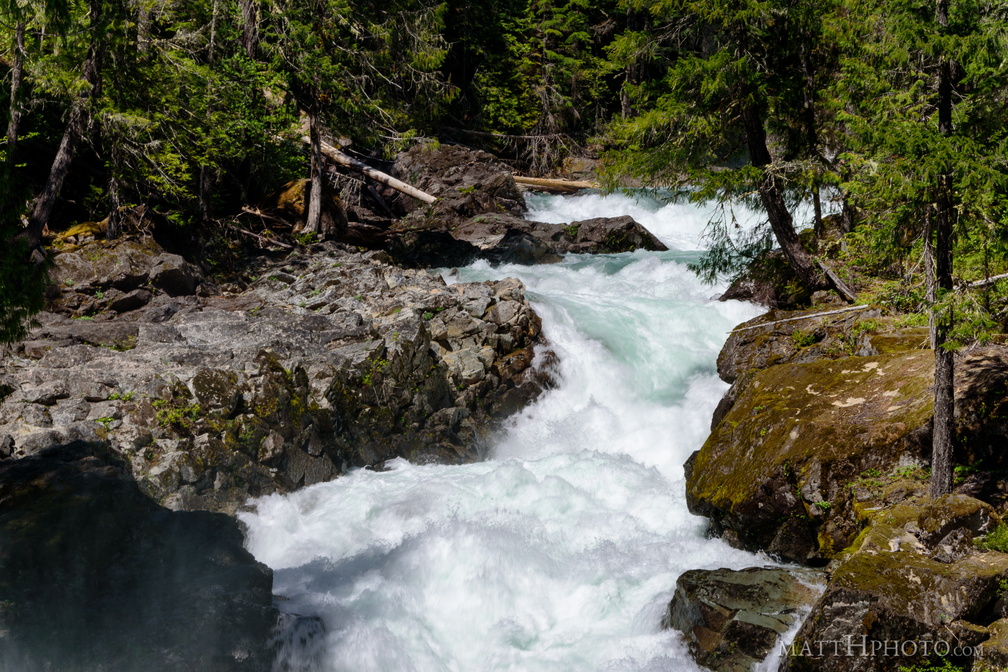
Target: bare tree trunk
250,27
17,77
943,436
80,115
770,192
115,220
314,223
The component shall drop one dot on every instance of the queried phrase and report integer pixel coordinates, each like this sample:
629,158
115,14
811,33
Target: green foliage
802,338
22,287
176,415
941,666
996,540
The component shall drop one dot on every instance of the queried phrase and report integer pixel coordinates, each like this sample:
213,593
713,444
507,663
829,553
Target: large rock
466,182
895,600
508,239
329,360
797,336
731,619
94,576
479,212
776,472
93,277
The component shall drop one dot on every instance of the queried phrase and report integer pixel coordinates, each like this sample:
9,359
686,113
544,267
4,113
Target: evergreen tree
921,95
735,113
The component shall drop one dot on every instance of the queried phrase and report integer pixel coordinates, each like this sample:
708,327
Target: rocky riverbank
329,359
819,455
152,392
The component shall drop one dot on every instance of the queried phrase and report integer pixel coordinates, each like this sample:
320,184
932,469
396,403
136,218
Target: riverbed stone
732,619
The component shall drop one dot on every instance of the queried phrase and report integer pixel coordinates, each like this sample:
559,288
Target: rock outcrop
96,576
328,360
776,473
479,215
911,589
466,182
731,619
508,239
819,454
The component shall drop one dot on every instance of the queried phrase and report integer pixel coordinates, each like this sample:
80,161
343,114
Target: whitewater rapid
561,551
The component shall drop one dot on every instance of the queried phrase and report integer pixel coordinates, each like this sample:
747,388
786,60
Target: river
561,550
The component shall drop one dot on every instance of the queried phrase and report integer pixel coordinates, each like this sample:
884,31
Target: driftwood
848,294
561,186
989,281
342,159
801,317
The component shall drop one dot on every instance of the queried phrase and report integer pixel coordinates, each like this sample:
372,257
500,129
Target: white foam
562,551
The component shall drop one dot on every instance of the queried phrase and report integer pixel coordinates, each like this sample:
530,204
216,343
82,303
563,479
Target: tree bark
80,115
17,77
940,320
250,27
772,195
314,223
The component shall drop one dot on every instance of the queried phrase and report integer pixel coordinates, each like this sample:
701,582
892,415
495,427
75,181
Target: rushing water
562,550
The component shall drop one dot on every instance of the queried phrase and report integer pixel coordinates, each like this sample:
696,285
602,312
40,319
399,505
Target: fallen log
342,159
987,282
549,184
800,317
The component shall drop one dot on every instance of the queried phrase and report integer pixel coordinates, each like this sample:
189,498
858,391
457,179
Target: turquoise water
561,551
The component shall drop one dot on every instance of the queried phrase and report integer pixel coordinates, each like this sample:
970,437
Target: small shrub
802,338
997,540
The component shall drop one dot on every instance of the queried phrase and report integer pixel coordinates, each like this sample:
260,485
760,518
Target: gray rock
138,298
733,619
174,275
163,591
262,394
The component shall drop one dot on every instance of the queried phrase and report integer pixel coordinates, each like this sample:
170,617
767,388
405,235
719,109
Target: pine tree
735,113
921,97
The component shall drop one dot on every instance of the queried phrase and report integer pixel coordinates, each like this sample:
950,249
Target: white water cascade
562,550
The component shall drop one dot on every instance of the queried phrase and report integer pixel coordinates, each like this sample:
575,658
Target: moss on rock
780,462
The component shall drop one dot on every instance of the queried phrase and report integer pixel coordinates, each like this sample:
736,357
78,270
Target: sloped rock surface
95,576
775,473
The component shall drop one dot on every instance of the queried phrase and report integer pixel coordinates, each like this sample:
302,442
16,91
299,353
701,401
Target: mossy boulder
889,588
795,336
776,472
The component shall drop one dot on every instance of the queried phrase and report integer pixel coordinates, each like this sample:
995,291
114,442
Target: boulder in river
734,619
479,215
